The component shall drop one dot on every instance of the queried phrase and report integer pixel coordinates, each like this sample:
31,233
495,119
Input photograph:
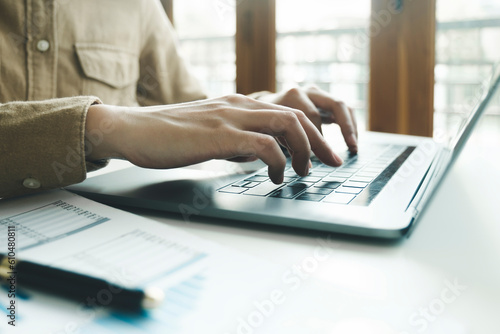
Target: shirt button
43,45
31,183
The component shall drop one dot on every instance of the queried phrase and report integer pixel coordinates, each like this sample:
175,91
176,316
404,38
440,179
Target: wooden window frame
255,46
402,60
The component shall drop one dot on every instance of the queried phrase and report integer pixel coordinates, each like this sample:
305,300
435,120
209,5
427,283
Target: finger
299,133
320,99
319,146
327,116
316,141
279,123
296,140
354,122
265,148
311,111
262,146
344,120
342,116
282,141
298,99
243,159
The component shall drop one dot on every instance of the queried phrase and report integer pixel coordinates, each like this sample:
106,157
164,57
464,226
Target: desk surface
443,279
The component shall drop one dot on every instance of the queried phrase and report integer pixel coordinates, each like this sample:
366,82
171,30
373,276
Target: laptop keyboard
357,181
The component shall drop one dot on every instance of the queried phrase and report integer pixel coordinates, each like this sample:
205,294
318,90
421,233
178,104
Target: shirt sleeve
164,76
42,144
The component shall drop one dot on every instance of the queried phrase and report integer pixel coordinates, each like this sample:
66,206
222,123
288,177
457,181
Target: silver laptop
379,192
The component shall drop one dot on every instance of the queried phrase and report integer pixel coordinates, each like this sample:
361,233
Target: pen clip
5,268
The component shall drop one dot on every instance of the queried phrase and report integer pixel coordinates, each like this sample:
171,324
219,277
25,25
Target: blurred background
312,40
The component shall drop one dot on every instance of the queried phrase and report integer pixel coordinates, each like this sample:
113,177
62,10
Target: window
206,31
467,48
315,46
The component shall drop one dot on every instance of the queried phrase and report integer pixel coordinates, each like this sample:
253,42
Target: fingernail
306,171
352,143
277,180
338,159
353,140
310,164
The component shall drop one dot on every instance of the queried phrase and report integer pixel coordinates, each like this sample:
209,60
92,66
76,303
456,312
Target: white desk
365,286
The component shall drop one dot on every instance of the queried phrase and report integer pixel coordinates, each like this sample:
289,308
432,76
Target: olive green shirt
58,57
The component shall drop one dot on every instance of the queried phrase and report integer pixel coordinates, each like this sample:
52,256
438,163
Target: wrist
101,125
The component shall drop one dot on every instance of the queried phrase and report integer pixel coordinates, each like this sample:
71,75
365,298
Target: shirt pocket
110,73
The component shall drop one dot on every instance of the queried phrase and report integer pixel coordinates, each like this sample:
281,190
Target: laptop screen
489,88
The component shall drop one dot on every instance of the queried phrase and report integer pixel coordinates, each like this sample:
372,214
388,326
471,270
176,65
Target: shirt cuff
42,144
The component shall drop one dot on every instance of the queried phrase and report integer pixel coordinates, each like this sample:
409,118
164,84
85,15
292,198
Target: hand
230,127
309,100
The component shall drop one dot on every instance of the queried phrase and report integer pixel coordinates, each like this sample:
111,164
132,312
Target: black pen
88,290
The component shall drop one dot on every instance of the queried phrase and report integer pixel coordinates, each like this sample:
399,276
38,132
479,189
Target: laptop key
257,178
341,174
310,197
366,174
355,184
356,165
250,184
300,184
310,179
361,179
325,169
334,179
378,165
372,170
329,185
349,190
233,190
321,191
339,198
289,179
241,183
290,173
263,189
319,174
347,170
287,192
